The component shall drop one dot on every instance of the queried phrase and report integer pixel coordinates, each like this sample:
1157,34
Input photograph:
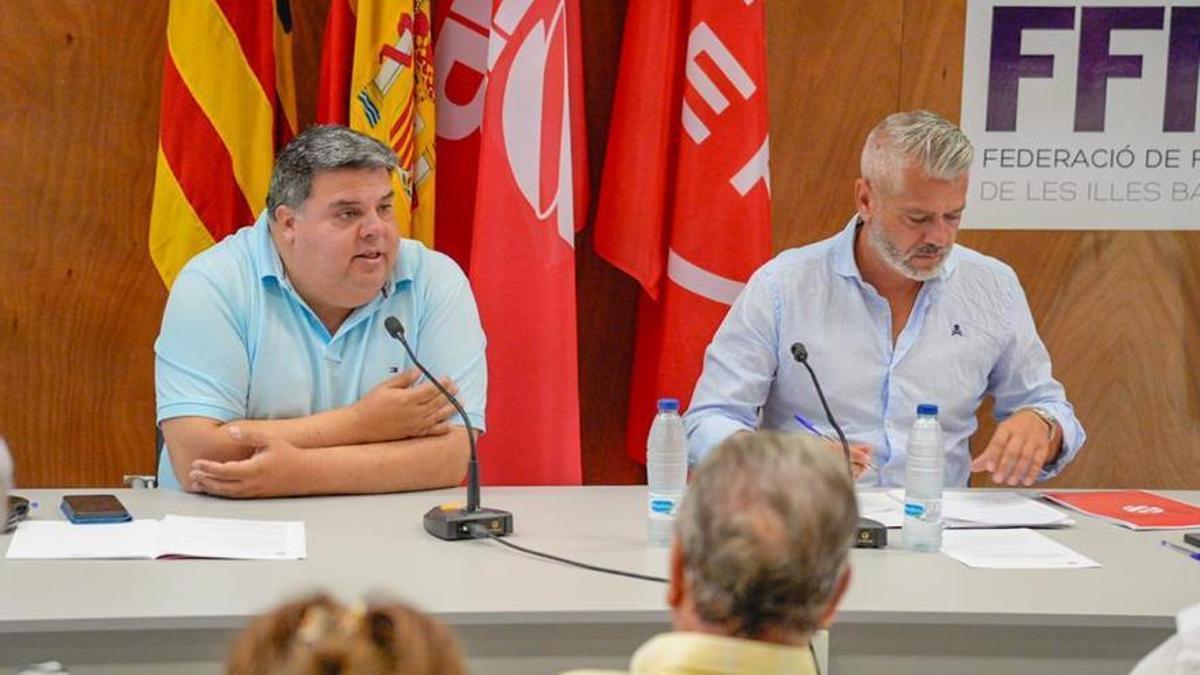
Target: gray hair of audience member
765,531
321,149
936,145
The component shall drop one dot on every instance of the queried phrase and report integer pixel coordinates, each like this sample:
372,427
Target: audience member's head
763,538
319,636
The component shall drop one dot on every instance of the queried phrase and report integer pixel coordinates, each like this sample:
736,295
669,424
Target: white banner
1083,115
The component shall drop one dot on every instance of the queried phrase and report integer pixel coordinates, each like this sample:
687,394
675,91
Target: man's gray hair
765,530
934,144
320,149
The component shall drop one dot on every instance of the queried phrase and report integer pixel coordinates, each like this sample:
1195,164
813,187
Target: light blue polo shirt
238,342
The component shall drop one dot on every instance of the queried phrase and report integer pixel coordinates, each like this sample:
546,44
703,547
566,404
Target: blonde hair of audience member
319,636
763,539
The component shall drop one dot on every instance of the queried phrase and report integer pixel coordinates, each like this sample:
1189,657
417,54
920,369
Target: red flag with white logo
685,195
530,196
460,49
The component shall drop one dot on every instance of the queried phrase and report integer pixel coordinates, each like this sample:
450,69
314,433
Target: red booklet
1135,509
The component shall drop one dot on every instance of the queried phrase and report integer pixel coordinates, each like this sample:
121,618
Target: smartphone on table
86,509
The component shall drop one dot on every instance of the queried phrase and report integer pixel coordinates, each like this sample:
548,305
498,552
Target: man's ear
675,585
839,591
865,199
285,222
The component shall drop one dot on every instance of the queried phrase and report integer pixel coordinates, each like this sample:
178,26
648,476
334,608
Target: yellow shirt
704,654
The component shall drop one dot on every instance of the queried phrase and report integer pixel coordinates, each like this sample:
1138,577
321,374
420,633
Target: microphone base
870,534
453,522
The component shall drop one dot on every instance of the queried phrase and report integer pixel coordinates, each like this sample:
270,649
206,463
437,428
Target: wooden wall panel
80,302
833,72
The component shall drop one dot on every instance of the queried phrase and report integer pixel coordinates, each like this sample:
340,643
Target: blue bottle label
914,510
664,506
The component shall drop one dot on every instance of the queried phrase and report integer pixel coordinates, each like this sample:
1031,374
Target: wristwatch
1051,423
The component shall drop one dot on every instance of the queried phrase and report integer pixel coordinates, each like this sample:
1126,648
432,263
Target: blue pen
1194,555
806,424
813,429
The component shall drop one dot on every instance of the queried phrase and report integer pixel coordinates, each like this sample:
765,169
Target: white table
905,611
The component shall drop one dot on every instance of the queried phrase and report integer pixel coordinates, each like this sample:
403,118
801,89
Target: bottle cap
927,409
668,404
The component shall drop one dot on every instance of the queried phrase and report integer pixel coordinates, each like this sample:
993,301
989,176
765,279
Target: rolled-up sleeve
739,367
201,365
1022,378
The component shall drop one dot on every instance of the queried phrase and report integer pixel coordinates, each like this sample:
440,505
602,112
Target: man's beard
896,259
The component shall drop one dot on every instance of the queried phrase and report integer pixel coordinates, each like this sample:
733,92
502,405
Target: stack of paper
171,537
967,509
1011,549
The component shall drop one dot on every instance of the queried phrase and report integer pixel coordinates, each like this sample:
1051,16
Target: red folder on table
1135,509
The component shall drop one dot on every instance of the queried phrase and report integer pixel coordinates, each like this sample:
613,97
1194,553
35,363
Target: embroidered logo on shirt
956,331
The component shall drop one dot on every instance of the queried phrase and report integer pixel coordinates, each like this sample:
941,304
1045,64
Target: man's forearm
325,429
394,466
192,438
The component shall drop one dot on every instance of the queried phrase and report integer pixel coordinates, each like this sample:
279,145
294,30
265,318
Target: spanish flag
377,78
228,104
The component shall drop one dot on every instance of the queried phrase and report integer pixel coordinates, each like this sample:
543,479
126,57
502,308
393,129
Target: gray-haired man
274,372
760,558
893,313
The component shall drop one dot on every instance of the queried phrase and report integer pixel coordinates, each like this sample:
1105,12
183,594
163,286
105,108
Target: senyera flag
228,104
529,204
685,194
377,77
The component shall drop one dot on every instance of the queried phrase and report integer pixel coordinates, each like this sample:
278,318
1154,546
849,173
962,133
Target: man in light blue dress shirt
893,313
274,373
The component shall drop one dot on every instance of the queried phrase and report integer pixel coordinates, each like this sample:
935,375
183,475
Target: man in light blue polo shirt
893,313
274,372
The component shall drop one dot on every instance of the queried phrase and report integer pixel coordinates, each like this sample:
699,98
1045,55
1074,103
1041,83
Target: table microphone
870,533
451,521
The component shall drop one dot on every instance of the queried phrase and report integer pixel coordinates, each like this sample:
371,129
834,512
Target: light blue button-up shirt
238,342
970,333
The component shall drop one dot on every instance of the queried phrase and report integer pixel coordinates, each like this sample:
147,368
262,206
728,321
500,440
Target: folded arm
274,466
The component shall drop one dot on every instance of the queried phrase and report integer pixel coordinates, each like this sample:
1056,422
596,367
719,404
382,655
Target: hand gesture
399,408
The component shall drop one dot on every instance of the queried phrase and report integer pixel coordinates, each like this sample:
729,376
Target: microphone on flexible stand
870,533
451,521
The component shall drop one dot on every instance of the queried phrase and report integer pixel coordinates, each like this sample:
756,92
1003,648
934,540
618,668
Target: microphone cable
481,532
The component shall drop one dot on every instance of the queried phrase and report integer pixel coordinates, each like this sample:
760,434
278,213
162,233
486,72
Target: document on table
1011,549
171,537
967,509
880,507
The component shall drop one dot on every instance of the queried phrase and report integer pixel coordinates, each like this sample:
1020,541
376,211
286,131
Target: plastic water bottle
666,471
923,479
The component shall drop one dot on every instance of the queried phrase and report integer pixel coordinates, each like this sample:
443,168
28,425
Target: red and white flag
685,195
460,49
529,202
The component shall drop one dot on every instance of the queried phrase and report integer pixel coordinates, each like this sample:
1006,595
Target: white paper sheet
182,536
231,538
878,506
1011,549
989,509
59,539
